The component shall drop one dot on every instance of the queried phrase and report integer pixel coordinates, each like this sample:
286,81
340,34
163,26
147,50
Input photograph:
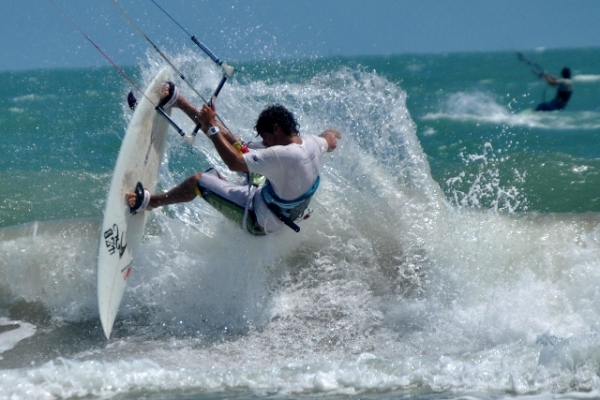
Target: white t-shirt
292,171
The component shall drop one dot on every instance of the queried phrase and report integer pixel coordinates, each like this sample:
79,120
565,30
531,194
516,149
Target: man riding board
289,162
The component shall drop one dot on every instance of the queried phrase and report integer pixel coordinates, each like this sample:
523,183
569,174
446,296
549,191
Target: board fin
131,100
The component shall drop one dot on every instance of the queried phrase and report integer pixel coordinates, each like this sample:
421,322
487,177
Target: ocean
453,252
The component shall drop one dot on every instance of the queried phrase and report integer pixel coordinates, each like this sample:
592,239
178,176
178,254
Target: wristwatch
213,130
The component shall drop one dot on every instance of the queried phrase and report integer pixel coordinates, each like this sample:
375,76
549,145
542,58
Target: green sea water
61,129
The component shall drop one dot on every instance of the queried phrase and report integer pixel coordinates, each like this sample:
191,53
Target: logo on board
115,241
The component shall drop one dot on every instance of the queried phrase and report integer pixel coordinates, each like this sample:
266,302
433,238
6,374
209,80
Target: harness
564,96
288,210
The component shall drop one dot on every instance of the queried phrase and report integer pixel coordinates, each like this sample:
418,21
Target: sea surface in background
454,250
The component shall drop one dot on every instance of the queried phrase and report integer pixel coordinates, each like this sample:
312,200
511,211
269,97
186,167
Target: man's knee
194,179
191,183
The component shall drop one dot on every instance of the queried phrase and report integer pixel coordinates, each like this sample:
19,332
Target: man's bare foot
164,93
130,197
139,200
169,95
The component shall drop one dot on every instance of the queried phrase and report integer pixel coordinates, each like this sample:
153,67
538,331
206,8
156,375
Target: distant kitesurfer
289,162
131,100
564,91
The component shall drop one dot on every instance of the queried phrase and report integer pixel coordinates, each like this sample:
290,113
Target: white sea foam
13,332
485,108
586,78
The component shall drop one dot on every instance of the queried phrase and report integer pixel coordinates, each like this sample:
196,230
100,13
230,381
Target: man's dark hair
277,114
566,73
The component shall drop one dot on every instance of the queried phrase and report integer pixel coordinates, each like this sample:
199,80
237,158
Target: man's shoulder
314,138
319,141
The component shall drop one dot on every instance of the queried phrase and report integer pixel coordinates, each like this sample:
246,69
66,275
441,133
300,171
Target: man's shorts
552,105
230,199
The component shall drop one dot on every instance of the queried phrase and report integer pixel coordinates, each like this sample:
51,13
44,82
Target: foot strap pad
142,199
168,101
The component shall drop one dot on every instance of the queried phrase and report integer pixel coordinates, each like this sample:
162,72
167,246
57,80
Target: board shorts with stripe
230,199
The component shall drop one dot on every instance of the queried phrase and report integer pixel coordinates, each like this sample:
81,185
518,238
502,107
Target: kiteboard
138,161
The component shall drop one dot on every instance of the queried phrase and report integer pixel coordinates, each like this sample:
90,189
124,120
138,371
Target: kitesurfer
564,90
289,162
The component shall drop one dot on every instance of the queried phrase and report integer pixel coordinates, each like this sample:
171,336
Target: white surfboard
138,161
